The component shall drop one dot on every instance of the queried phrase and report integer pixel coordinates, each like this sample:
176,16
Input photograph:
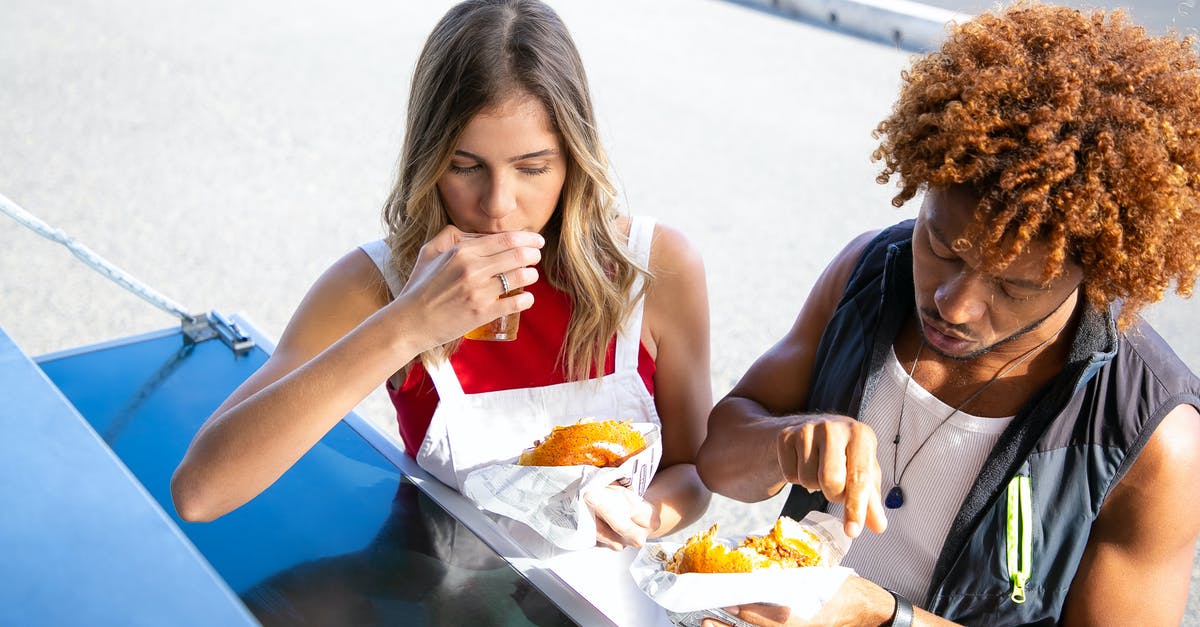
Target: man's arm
1138,563
858,603
757,439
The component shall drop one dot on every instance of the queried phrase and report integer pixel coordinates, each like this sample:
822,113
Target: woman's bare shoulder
672,253
349,291
677,293
356,276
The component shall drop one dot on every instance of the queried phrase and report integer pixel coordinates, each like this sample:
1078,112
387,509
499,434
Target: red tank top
529,361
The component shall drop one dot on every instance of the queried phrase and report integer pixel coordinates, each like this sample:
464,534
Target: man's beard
975,354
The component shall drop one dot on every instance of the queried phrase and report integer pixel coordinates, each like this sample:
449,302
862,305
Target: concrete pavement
226,153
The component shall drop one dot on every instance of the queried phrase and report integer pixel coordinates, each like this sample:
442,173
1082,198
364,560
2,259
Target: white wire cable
94,261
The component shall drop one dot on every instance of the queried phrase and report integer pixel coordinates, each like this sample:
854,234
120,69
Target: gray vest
1074,440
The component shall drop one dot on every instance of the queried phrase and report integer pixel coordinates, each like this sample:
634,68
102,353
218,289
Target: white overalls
472,430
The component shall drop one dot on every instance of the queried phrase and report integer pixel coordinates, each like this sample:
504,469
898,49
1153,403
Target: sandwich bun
598,443
788,545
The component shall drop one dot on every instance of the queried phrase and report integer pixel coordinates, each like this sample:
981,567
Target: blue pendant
894,499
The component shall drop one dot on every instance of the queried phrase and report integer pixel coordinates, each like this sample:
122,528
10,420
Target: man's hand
836,455
858,602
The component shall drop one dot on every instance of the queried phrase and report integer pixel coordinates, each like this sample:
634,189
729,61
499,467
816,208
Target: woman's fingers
607,538
621,512
456,279
503,253
463,270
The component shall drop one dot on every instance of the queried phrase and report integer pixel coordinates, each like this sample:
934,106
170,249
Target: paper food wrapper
693,596
548,499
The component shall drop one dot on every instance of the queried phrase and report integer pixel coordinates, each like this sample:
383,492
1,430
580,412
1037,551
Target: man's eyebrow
941,237
1016,282
549,152
1024,283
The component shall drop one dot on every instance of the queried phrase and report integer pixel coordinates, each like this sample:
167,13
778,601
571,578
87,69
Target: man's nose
963,297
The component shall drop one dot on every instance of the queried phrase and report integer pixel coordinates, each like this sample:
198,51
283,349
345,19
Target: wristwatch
902,616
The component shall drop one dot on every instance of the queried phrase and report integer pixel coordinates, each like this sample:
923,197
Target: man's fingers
800,457
832,474
876,514
762,614
855,510
785,453
836,455
862,477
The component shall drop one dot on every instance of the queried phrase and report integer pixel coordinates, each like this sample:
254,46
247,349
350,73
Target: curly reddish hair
1073,128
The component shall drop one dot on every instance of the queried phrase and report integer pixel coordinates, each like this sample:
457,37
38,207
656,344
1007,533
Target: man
975,386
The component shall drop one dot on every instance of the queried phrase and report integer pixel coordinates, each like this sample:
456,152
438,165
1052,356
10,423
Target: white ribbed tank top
935,484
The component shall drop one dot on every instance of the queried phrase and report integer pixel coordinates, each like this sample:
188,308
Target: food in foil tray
604,443
788,545
795,564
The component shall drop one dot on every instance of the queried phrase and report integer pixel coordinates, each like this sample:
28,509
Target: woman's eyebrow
549,152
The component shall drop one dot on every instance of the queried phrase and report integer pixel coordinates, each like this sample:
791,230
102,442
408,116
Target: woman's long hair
479,54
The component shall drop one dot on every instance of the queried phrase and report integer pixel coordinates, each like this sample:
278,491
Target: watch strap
902,616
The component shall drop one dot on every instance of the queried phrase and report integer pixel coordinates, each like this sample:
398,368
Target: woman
503,186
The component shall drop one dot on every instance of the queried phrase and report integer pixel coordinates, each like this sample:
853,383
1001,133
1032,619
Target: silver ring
503,282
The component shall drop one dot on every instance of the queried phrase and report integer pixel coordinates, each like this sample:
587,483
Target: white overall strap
445,380
442,374
629,339
379,253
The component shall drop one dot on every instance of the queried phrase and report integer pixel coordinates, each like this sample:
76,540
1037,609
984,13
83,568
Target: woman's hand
455,286
836,455
622,517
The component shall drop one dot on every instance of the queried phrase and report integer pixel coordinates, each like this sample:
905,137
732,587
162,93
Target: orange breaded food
788,545
599,443
701,554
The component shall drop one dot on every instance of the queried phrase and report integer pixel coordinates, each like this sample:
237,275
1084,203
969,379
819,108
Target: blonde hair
478,55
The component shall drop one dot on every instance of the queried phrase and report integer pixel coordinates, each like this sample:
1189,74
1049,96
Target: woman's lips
943,342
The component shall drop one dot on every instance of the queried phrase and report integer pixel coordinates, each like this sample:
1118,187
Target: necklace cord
896,479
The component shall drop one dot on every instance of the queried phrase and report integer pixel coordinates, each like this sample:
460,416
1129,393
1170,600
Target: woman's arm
675,333
677,323
344,339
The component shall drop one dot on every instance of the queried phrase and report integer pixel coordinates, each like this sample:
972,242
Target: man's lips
946,341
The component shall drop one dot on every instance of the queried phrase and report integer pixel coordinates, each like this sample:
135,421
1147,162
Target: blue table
81,541
349,535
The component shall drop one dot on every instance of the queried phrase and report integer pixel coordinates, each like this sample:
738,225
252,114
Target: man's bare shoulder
832,282
1146,533
1154,504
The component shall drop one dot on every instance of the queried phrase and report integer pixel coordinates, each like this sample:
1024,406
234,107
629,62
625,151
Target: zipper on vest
1019,535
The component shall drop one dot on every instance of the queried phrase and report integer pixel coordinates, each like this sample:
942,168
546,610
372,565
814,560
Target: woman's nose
501,197
962,298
